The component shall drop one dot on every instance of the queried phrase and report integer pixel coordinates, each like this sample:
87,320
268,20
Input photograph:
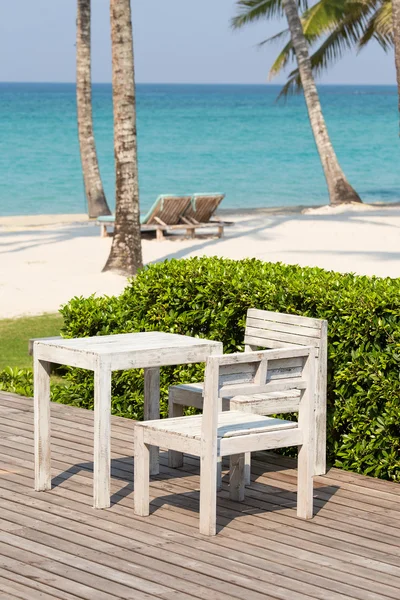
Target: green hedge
208,297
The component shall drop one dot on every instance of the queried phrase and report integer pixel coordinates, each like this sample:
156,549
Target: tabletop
127,350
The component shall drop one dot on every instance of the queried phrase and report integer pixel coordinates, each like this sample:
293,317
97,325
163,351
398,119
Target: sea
235,139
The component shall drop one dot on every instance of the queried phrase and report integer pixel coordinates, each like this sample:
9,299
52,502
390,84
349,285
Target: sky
176,41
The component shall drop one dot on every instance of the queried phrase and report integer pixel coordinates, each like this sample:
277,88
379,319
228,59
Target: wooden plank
321,403
250,357
26,585
305,461
260,441
152,409
102,434
261,539
209,450
228,391
33,340
285,338
42,425
271,325
284,318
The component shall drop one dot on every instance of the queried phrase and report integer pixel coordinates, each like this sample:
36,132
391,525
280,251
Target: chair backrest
168,209
246,374
203,206
267,329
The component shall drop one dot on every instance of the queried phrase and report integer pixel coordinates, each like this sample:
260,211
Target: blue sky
176,41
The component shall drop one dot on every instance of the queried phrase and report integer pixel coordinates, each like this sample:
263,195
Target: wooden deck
54,545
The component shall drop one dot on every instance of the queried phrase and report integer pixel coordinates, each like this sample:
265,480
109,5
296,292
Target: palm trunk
126,250
97,203
340,191
396,39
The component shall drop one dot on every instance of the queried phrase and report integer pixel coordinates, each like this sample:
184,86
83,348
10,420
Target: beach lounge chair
170,212
201,210
164,214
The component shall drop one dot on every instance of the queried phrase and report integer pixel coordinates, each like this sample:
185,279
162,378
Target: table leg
42,433
152,409
102,436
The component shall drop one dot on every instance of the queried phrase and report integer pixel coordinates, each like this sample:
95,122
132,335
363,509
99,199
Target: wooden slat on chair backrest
268,329
247,374
260,372
169,209
203,206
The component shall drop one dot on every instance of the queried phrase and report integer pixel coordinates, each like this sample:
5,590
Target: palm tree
126,250
340,190
343,25
396,38
97,203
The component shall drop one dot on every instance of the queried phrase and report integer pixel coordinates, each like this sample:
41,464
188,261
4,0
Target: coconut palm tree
342,25
340,190
396,38
126,250
96,200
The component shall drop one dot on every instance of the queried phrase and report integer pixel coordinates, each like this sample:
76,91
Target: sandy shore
46,260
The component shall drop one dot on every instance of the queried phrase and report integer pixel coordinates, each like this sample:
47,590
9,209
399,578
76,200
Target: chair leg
208,496
236,477
247,468
305,468
141,474
175,459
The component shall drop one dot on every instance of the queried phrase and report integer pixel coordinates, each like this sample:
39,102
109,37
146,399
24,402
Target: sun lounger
171,212
200,211
166,211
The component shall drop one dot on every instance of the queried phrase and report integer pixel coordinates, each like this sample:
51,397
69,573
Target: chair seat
230,424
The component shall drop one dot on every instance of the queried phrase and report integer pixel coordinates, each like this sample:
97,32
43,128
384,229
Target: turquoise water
192,138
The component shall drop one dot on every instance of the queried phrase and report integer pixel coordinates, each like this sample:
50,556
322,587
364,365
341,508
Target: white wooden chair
266,329
215,434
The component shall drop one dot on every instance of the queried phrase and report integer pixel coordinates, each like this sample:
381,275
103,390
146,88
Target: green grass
15,334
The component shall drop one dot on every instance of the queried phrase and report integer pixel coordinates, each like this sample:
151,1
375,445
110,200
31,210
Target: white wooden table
104,354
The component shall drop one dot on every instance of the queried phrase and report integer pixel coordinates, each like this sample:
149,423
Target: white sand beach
46,260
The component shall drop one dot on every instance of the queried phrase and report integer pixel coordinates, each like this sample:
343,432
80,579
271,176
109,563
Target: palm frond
251,11
343,38
282,35
292,86
282,60
345,35
379,27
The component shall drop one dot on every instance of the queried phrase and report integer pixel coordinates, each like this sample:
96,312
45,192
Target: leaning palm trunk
340,191
97,203
126,250
396,39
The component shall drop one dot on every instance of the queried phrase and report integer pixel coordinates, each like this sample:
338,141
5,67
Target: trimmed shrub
17,381
209,297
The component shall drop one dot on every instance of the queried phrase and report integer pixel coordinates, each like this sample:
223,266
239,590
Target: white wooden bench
266,329
215,434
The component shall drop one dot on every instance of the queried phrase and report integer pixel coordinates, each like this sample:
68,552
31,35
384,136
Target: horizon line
266,84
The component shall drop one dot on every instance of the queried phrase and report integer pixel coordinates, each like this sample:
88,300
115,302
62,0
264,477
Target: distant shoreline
21,222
